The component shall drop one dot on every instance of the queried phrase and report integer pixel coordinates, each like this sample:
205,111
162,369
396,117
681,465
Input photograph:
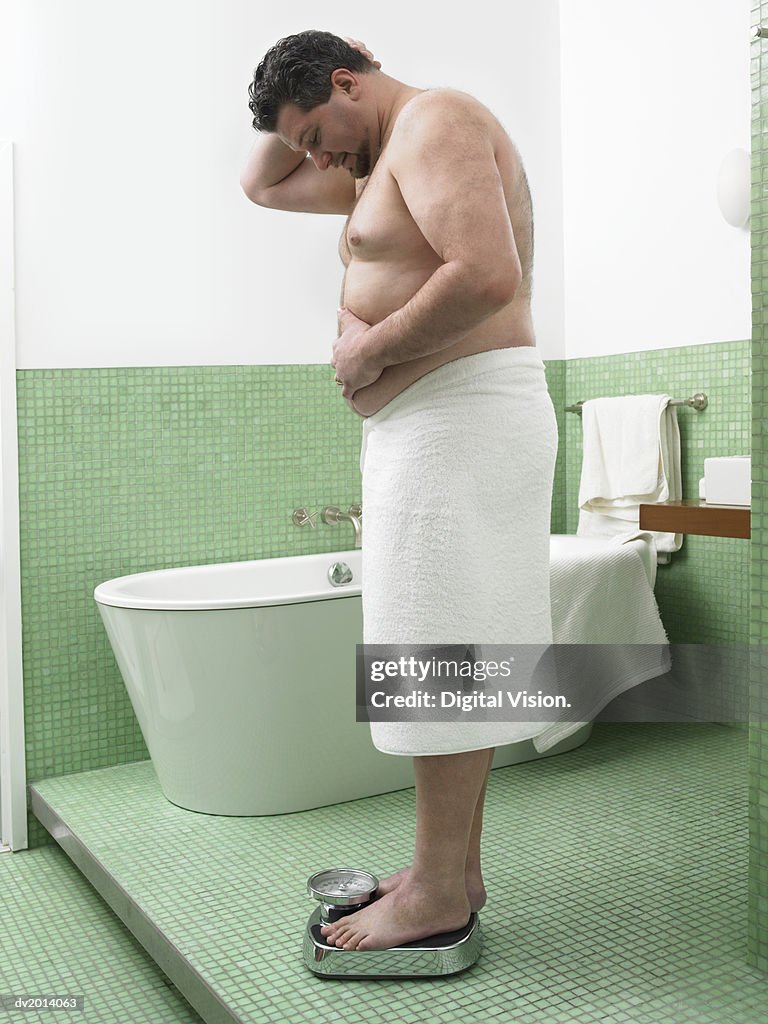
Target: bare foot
473,884
405,913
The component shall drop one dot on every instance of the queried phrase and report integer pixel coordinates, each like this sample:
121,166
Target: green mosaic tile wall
758,738
556,384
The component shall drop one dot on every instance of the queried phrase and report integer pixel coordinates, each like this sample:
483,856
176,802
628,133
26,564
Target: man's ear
347,81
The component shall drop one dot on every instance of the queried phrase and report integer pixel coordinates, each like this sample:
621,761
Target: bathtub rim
119,591
112,594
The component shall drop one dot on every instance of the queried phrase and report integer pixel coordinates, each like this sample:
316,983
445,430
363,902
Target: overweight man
436,351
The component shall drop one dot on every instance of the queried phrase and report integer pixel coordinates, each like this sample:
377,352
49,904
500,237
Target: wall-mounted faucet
303,517
332,515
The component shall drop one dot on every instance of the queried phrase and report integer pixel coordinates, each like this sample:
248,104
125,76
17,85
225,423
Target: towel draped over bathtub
458,471
606,625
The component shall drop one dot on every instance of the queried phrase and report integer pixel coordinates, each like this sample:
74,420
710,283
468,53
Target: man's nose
322,160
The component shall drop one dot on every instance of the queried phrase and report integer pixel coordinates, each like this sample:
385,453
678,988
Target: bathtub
242,678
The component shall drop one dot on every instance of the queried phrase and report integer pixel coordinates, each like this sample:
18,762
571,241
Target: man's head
307,90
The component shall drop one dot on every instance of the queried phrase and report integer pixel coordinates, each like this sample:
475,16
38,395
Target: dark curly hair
298,70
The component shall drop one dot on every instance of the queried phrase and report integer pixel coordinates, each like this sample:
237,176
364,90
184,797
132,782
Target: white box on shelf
728,480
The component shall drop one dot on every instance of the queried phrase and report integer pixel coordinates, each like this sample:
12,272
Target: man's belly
374,290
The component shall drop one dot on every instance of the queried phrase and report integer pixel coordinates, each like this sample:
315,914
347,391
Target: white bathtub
242,678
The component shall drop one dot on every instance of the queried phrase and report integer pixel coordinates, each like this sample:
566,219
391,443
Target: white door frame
13,775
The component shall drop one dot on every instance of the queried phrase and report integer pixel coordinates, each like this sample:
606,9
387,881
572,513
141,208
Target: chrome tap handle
356,510
302,517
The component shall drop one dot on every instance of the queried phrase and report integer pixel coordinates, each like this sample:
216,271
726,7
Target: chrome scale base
342,891
439,954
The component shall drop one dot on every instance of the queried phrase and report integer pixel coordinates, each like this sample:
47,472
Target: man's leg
433,897
473,874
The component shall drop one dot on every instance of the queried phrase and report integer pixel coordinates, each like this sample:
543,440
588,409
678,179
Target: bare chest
380,227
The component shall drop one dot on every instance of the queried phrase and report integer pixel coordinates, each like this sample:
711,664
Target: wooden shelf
698,517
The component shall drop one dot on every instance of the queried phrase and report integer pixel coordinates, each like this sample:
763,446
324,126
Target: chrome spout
333,515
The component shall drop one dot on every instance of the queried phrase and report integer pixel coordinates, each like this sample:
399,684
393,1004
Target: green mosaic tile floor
617,878
58,938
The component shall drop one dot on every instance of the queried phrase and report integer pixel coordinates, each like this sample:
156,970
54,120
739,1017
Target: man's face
334,134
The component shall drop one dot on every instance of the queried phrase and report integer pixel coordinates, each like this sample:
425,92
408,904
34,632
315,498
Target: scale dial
342,887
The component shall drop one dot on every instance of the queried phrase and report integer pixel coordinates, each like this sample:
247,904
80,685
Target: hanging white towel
631,456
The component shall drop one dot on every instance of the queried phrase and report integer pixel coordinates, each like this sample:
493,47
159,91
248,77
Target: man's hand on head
355,367
362,48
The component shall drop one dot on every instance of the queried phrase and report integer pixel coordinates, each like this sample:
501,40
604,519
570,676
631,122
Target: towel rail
698,402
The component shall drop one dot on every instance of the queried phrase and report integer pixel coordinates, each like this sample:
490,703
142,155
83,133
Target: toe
340,937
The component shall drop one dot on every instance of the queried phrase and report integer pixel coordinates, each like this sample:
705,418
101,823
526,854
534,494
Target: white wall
653,97
136,247
135,244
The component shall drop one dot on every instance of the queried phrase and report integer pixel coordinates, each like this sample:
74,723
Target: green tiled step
59,939
616,876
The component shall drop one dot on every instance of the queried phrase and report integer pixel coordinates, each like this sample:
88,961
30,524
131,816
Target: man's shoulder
436,121
440,103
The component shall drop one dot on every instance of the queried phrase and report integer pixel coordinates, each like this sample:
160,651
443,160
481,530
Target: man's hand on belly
354,408
354,365
366,404
370,399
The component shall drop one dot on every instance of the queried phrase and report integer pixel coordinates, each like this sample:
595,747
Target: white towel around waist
458,472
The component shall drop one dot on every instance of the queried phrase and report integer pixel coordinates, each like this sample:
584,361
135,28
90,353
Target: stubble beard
362,165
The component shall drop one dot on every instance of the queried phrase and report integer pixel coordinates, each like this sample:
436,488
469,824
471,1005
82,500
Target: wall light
733,187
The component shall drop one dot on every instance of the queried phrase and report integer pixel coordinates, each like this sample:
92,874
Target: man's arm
447,174
282,178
